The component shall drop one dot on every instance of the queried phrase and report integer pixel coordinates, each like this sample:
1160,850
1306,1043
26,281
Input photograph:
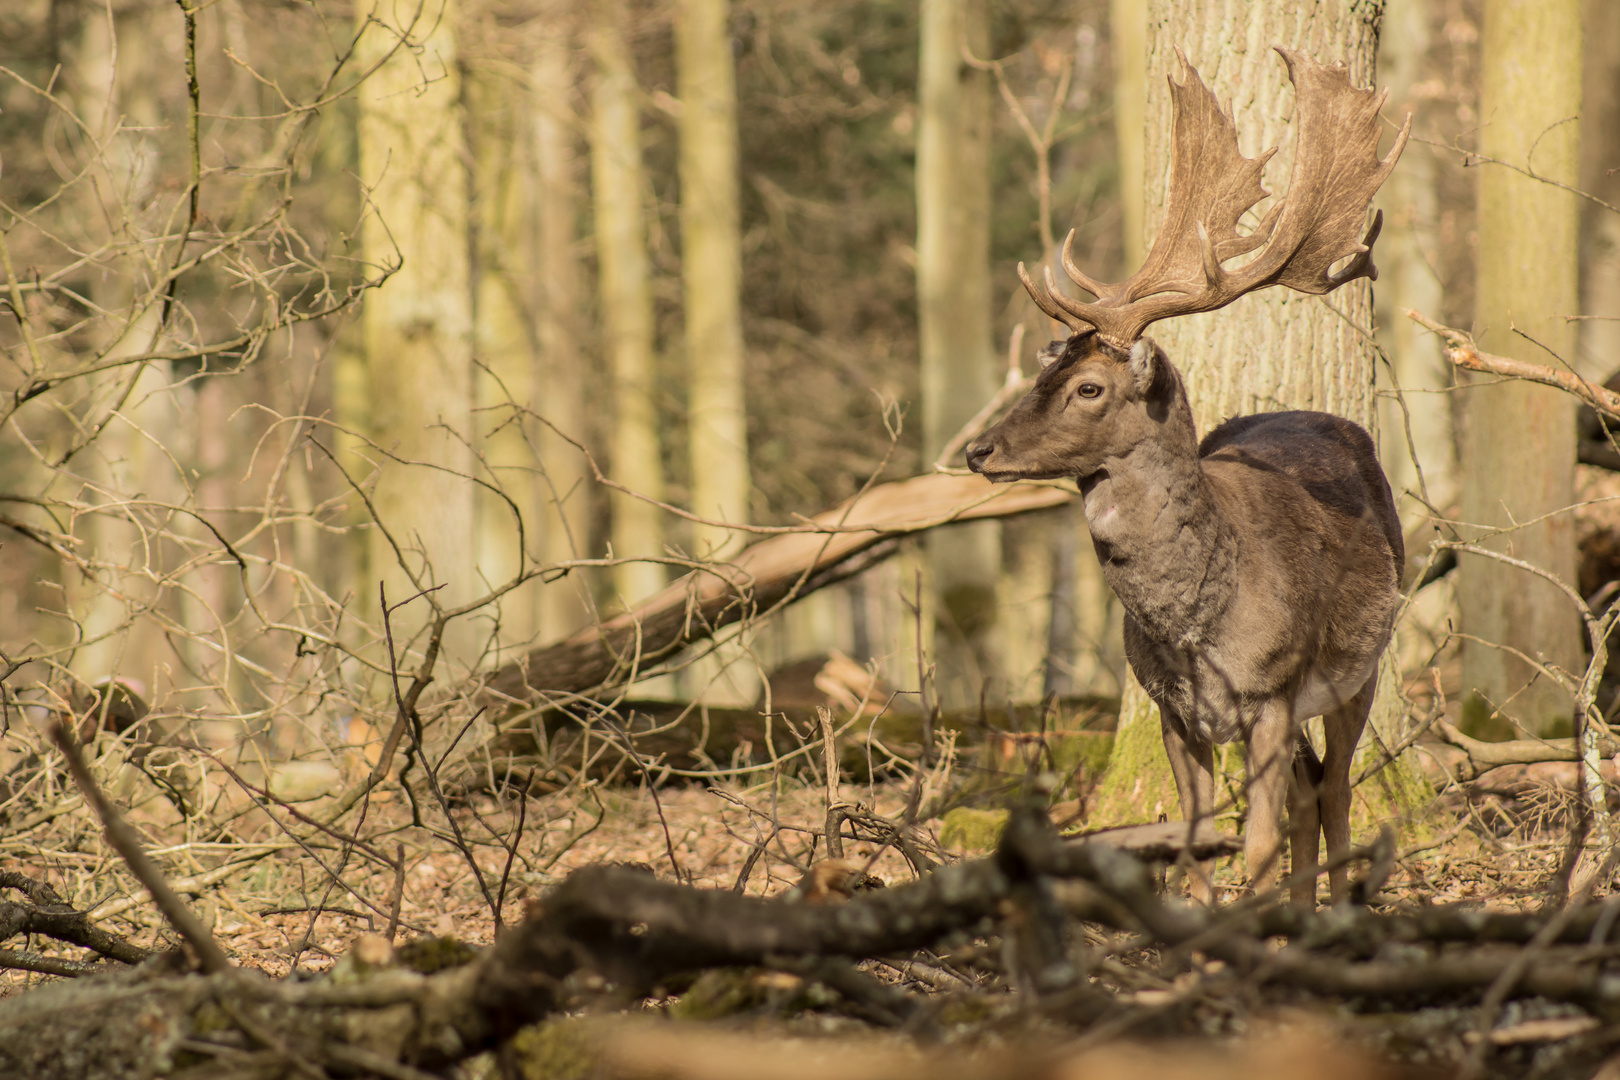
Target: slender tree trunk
711,272
1127,29
626,302
565,604
1519,440
417,328
112,93
953,302
1599,353
1272,350
1424,466
507,378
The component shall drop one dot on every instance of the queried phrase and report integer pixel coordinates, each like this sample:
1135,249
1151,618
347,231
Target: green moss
1137,786
431,954
964,829
1082,752
561,1049
732,991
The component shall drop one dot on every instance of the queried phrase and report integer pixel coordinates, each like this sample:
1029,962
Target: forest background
521,310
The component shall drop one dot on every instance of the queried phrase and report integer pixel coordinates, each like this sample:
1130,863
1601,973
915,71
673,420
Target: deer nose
978,454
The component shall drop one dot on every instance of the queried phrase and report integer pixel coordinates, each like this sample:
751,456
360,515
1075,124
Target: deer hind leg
1342,728
1192,761
1305,823
1271,766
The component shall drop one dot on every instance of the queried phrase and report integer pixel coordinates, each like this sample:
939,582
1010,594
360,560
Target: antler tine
1043,300
1317,223
1096,288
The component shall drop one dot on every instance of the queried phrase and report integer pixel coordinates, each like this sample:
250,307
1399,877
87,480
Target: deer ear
1146,363
1050,352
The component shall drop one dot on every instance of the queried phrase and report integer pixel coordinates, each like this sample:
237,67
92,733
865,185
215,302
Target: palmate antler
1317,223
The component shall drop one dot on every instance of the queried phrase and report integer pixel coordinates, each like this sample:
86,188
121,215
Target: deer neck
1166,550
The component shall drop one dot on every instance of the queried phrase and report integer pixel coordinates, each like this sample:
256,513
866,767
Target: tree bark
619,185
1407,281
1519,440
958,357
417,329
1598,356
506,375
565,535
1273,350
711,271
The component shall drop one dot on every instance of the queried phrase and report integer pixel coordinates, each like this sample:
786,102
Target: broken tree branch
1461,352
774,571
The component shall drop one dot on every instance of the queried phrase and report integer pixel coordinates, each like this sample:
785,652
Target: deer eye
1089,390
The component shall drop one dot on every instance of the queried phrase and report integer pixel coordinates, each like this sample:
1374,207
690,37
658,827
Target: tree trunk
564,605
958,357
1599,353
626,301
507,373
1407,280
1274,350
417,328
1519,440
711,272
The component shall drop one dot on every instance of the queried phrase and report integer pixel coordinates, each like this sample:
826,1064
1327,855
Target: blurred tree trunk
113,92
1273,350
626,303
507,379
1407,279
953,305
711,272
1519,440
711,269
565,604
1127,30
417,329
1599,353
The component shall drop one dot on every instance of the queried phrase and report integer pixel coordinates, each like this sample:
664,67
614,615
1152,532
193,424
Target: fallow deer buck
1259,569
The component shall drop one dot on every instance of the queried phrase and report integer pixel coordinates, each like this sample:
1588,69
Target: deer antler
1317,223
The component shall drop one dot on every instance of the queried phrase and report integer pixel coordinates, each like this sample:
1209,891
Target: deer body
1259,569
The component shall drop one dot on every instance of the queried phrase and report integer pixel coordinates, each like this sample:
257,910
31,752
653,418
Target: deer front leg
1270,768
1304,823
1192,761
1342,729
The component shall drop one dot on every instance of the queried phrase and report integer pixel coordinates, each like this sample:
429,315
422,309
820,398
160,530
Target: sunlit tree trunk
113,94
711,273
626,303
417,328
1519,439
507,369
1599,352
1273,350
953,305
1407,280
564,605
711,268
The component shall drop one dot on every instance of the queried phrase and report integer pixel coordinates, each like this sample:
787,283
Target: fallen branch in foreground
609,935
1485,756
781,569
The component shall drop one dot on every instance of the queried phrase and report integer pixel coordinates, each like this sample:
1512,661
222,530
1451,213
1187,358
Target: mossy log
675,738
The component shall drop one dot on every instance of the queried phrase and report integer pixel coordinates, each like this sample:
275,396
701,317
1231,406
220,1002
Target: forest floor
297,911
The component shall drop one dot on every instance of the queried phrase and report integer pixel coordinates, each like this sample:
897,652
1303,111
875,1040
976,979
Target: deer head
1103,388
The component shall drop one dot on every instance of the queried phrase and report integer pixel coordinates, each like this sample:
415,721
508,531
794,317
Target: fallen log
780,569
611,934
